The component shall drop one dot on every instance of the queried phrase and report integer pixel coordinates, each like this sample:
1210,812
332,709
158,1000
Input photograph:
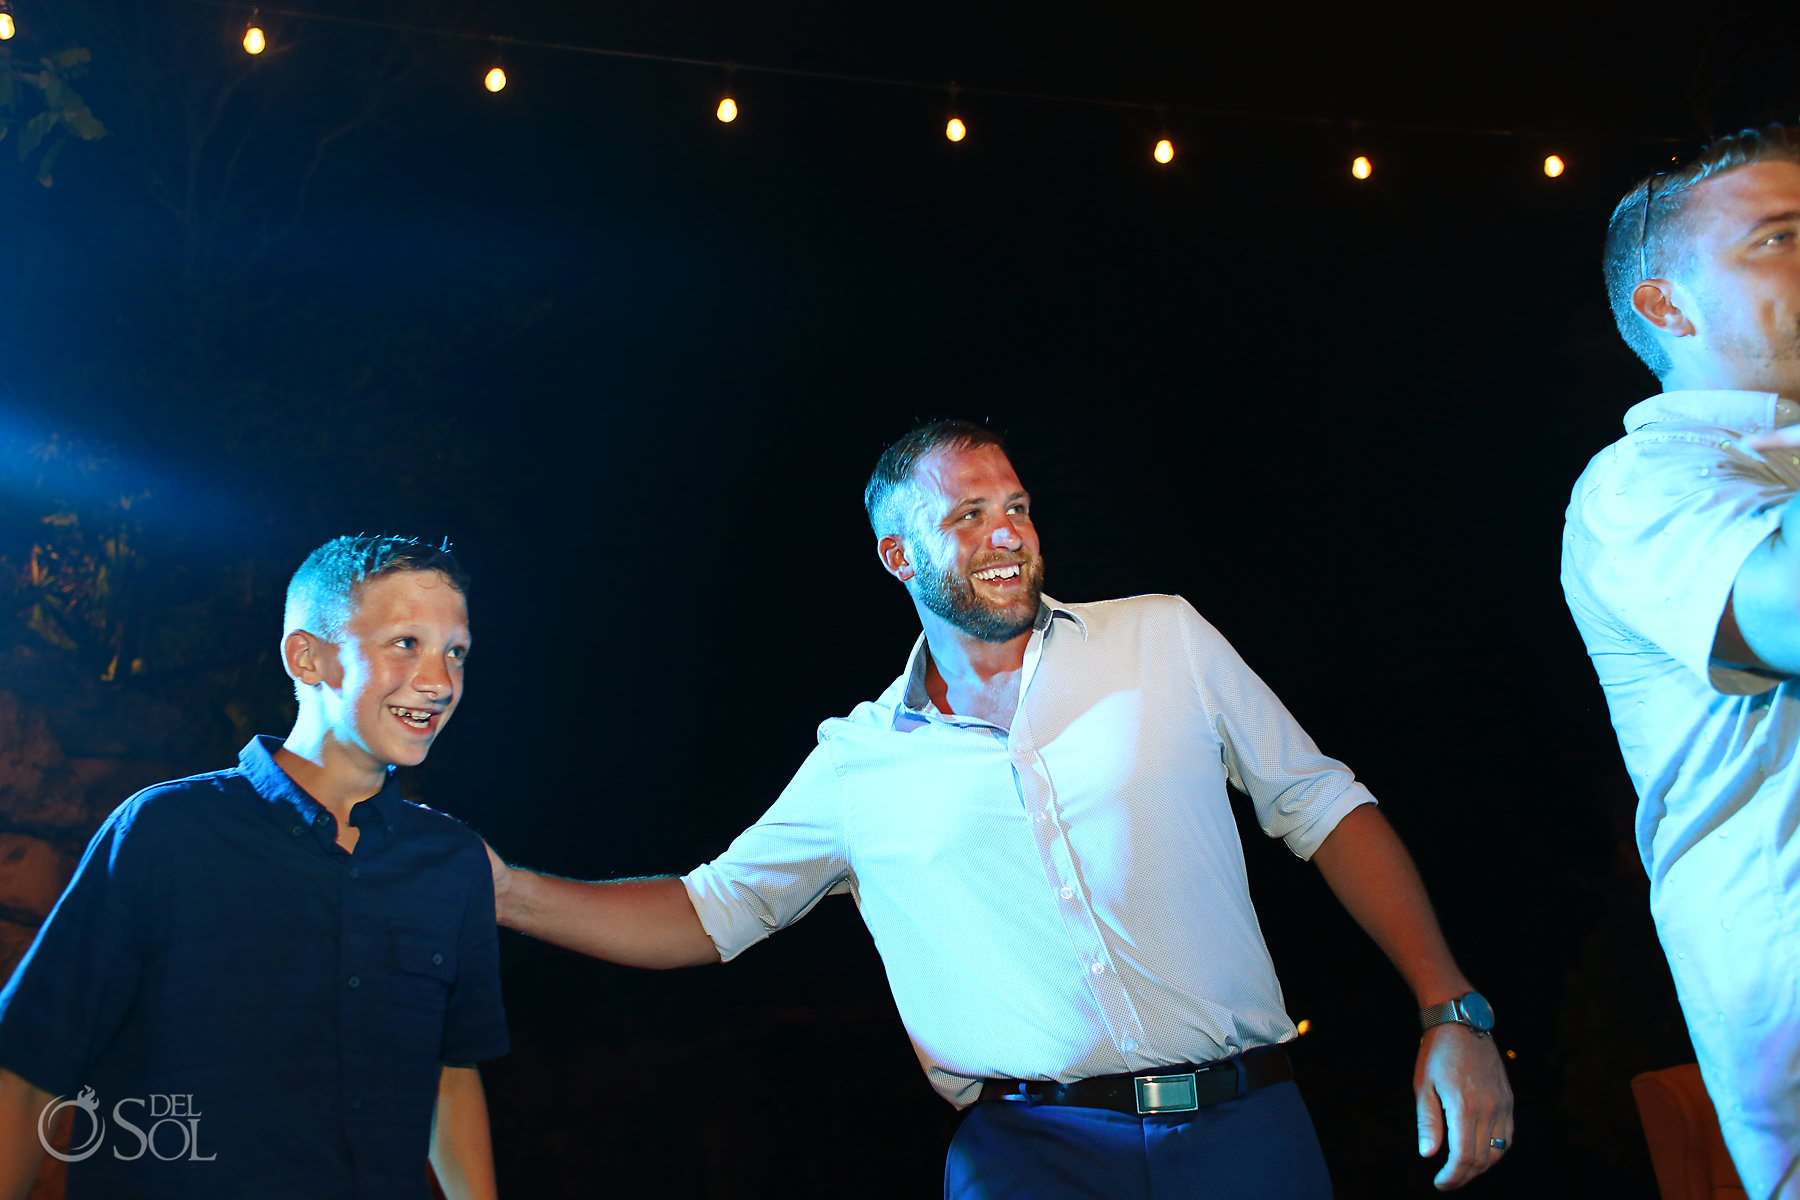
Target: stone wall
50,805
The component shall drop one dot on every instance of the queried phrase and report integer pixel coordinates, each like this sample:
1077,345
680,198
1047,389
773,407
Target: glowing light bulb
1164,152
255,40
1361,167
1554,166
494,80
1303,1028
7,28
727,110
955,130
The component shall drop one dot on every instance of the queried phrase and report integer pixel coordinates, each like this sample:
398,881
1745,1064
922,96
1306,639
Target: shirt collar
1745,412
914,701
256,761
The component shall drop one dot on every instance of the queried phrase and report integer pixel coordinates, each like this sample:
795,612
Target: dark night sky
638,364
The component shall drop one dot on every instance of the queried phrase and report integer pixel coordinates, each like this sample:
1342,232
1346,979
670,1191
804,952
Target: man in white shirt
1033,820
1681,565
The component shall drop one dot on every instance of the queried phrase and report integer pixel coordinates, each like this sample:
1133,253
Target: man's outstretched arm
633,922
1458,1079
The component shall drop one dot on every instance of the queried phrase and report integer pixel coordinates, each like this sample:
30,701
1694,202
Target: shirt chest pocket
425,963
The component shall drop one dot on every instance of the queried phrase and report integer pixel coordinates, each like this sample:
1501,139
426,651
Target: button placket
1037,791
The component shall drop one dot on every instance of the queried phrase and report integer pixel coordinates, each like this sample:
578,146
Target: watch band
1470,1009
1433,1015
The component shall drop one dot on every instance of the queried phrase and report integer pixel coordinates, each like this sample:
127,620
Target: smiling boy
276,979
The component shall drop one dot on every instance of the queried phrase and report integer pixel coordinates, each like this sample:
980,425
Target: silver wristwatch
1471,1009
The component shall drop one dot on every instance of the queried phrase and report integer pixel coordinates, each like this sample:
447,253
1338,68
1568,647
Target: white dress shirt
1068,899
1658,526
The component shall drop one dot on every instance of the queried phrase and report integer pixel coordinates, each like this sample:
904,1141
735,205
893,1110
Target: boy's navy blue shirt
258,1012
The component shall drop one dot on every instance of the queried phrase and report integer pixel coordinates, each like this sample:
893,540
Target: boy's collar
257,762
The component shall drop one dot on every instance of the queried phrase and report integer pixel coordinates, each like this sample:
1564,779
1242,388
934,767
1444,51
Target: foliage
170,443
57,113
71,559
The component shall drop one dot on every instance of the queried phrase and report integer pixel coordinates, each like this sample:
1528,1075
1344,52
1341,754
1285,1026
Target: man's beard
953,597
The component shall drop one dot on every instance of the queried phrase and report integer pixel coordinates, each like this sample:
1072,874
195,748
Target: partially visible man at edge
1034,822
1681,565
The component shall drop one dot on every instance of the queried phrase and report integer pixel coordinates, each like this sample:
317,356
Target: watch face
1476,1008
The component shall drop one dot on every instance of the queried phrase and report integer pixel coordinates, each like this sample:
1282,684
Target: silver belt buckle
1166,1093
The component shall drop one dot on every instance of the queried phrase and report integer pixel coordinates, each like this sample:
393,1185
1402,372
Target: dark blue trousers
1256,1147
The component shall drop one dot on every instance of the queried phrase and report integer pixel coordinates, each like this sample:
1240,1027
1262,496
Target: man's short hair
322,595
884,495
1665,250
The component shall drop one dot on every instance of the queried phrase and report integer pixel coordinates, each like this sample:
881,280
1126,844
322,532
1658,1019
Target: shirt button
1097,968
1130,1045
355,981
437,960
355,873
296,830
1068,893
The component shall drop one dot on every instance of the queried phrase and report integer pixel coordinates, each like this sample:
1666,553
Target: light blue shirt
1068,899
1657,529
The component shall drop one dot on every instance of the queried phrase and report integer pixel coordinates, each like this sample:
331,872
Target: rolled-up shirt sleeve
1298,792
776,870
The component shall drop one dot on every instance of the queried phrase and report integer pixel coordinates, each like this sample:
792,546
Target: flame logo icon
85,1101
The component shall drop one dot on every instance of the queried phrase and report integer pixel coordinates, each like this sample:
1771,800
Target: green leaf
49,160
34,132
57,94
46,627
83,123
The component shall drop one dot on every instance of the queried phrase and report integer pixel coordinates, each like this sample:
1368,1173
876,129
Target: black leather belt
1176,1089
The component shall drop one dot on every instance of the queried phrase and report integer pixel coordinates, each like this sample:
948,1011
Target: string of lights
255,41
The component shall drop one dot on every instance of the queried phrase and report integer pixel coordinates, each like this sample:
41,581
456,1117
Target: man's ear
892,552
303,656
1654,300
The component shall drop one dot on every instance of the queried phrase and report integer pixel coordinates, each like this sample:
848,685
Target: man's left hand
1459,1082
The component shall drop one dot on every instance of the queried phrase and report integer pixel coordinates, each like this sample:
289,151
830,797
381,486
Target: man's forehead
1732,202
951,475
